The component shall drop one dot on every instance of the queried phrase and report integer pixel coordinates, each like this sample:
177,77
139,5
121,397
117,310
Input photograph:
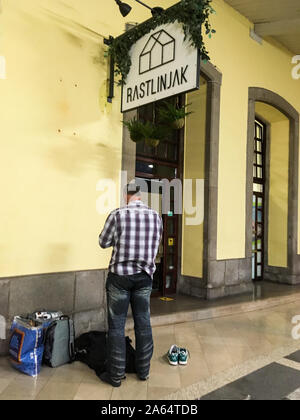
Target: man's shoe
183,356
106,378
173,355
141,378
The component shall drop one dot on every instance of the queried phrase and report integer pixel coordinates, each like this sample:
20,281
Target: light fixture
125,9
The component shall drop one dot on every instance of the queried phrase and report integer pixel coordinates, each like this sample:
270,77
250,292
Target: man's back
135,232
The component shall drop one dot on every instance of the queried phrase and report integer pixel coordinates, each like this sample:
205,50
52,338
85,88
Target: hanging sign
163,65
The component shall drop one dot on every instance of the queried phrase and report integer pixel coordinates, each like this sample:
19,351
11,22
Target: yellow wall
194,168
277,222
244,63
48,178
278,197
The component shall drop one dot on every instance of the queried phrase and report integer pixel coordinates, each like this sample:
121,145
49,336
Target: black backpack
91,349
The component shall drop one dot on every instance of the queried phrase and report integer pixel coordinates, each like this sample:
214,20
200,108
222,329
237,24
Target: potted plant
136,130
172,115
151,133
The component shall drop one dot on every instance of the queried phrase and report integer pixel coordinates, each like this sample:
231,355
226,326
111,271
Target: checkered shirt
135,233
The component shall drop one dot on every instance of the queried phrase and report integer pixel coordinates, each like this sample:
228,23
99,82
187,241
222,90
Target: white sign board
163,65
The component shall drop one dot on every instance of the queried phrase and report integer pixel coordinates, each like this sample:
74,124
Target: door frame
291,274
216,273
178,164
264,195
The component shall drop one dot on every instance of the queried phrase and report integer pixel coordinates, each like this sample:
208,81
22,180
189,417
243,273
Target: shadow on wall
78,154
76,33
67,23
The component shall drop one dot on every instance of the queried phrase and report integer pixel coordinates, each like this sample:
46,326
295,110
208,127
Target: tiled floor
216,346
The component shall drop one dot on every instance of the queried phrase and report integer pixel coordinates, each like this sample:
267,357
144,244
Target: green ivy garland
193,14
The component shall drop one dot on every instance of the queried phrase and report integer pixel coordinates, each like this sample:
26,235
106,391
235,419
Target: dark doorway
258,206
156,163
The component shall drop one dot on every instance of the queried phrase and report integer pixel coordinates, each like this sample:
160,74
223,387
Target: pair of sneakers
177,355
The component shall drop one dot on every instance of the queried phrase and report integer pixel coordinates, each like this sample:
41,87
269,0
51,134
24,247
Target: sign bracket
111,91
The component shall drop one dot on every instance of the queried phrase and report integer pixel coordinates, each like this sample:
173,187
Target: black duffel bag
91,349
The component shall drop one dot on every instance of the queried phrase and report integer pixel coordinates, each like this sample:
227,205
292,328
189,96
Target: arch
291,274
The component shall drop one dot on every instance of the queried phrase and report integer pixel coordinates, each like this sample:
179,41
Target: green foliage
169,113
143,131
193,14
136,130
154,131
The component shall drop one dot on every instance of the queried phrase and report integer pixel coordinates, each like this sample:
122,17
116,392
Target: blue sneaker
183,356
173,354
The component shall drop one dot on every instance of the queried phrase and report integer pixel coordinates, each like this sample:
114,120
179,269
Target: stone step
218,309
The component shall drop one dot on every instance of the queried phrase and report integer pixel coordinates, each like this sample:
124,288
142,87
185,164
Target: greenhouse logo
2,67
158,51
296,69
2,328
296,329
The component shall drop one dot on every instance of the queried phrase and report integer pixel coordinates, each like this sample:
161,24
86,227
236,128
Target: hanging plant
151,133
193,14
136,130
173,115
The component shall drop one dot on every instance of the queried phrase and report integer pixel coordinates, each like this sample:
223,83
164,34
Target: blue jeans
121,290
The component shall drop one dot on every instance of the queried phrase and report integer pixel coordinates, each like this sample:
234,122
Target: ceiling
279,19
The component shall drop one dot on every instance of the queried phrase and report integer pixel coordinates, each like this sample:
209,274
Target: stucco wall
278,161
194,169
244,63
59,136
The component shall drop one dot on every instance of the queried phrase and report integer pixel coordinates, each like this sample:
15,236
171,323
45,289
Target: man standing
134,232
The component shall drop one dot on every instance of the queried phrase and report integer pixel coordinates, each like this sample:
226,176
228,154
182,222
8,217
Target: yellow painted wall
194,168
244,63
48,178
277,222
278,197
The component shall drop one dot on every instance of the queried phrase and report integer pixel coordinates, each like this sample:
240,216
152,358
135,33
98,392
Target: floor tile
24,387
164,375
70,373
93,391
195,371
58,391
156,392
4,382
131,389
